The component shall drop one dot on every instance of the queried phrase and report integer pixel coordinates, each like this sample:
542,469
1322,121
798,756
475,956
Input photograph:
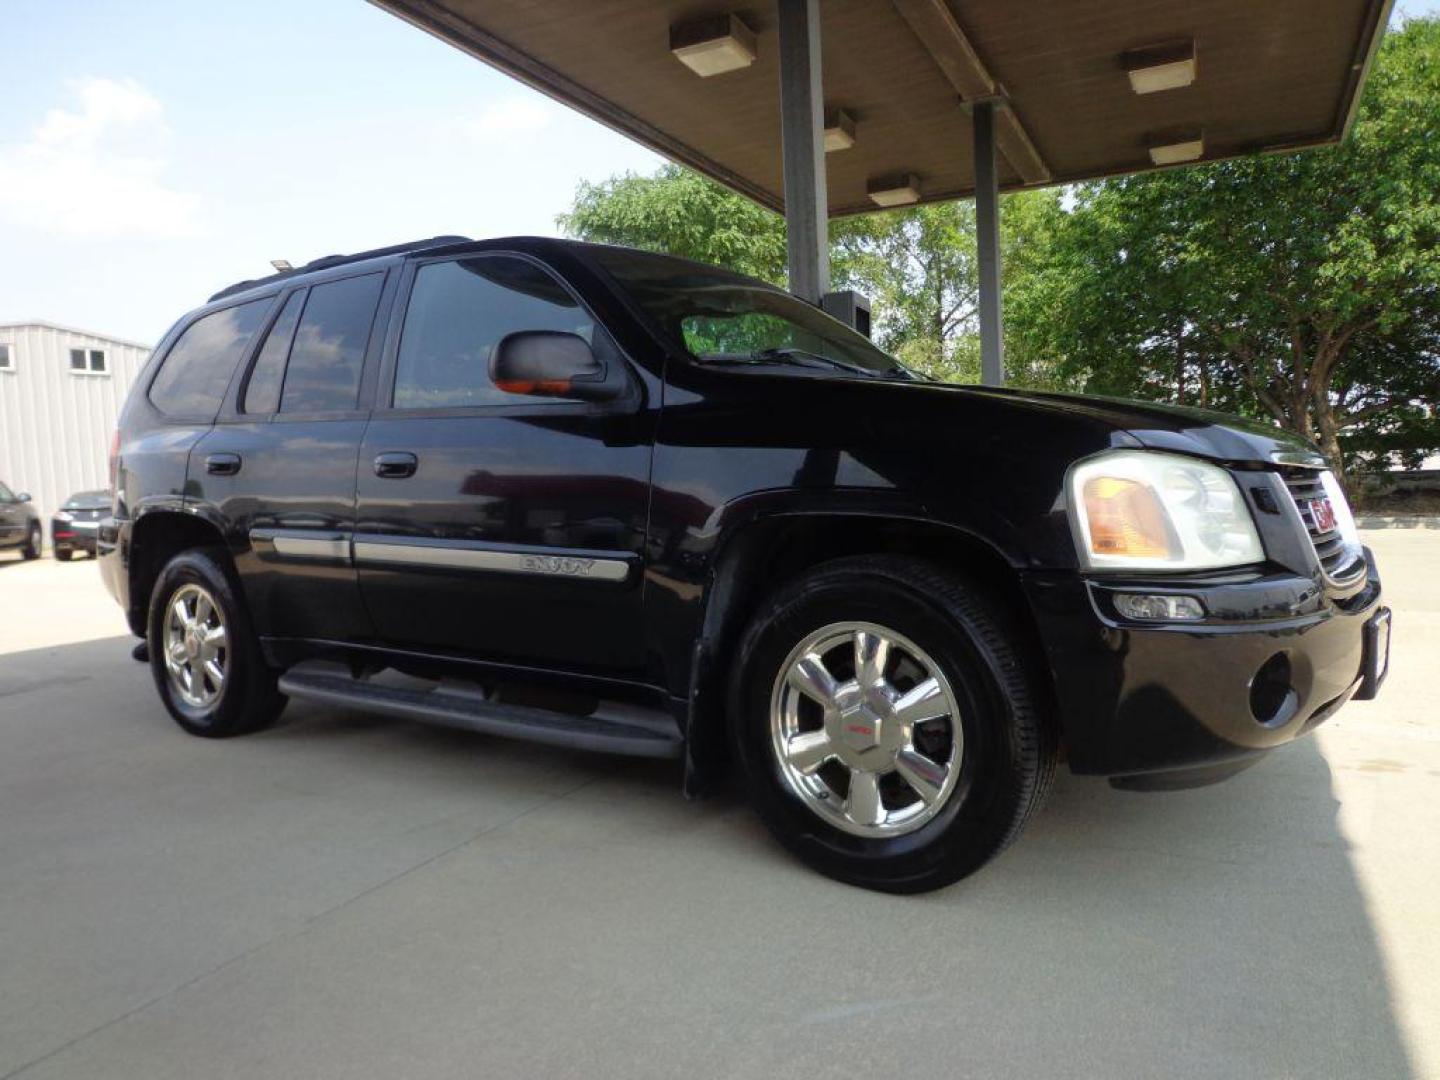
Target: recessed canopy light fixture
281,265
901,190
1173,147
713,46
1161,67
839,130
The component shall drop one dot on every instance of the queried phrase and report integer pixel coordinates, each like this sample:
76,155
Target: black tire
1009,749
64,554
33,541
249,698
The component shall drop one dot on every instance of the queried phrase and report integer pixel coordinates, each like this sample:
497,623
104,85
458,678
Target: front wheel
33,542
204,655
891,733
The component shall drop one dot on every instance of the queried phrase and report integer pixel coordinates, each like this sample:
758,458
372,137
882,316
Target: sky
154,151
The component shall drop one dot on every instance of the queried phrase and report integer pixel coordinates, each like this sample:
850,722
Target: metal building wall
55,426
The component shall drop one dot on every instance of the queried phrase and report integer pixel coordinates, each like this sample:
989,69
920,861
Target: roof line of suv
327,261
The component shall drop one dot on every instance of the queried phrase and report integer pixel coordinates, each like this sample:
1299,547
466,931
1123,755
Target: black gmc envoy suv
606,499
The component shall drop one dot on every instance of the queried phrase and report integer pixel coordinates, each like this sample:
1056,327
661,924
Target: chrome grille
1338,560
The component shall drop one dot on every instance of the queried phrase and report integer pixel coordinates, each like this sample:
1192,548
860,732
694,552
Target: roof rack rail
326,261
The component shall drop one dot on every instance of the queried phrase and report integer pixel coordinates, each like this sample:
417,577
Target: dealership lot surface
349,896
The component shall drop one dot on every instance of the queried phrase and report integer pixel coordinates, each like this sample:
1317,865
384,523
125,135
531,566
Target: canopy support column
987,244
802,132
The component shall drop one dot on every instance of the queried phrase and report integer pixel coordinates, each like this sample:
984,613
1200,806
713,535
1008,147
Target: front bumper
1276,656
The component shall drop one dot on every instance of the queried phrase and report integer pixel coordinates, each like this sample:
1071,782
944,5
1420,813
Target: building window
88,362
7,360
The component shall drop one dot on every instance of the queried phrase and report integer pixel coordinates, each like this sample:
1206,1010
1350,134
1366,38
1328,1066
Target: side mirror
549,363
24,496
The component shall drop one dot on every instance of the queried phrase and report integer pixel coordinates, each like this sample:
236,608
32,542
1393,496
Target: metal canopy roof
1272,75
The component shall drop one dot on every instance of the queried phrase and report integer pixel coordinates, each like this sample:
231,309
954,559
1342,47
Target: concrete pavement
354,897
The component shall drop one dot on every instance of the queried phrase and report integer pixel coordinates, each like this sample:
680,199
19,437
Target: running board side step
611,729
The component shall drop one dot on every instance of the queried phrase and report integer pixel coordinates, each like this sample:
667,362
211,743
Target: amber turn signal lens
543,387
1126,518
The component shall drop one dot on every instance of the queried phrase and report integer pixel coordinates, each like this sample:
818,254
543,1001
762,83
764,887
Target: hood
1176,427
918,406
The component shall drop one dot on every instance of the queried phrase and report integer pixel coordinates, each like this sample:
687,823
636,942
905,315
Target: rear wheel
204,655
33,542
890,732
64,554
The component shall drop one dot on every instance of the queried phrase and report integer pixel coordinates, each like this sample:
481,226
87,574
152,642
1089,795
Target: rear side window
197,370
329,348
262,391
459,312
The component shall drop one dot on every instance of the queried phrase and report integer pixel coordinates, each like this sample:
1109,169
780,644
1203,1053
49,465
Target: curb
1399,521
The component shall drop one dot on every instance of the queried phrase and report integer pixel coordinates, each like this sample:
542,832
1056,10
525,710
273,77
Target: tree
921,271
1304,287
917,266
682,213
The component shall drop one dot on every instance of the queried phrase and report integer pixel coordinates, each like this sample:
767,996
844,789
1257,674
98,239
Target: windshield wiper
808,359
791,354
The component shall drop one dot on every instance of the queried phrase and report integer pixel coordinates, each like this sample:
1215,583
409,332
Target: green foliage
917,266
682,213
1304,287
741,334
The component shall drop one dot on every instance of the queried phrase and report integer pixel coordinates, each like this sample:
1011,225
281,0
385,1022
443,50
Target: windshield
724,318
87,500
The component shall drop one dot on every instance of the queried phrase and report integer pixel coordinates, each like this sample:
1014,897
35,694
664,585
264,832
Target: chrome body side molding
551,562
303,543
377,550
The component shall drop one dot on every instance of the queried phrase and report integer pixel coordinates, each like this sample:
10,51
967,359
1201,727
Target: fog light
1273,700
1155,606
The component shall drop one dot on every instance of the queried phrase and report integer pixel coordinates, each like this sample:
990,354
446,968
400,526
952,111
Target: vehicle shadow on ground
1221,931
1228,918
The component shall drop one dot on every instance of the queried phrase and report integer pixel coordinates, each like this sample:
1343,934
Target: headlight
1137,509
63,515
1340,507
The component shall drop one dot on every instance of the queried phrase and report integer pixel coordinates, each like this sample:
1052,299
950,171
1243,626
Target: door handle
395,464
222,464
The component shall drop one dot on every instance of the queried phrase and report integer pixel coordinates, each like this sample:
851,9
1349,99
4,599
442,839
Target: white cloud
97,170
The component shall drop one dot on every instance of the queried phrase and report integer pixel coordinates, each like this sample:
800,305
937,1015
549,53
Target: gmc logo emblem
1323,514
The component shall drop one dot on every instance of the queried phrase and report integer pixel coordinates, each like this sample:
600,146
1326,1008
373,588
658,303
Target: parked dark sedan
19,524
74,525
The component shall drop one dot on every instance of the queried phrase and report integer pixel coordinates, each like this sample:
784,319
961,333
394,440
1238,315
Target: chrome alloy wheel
866,730
197,651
